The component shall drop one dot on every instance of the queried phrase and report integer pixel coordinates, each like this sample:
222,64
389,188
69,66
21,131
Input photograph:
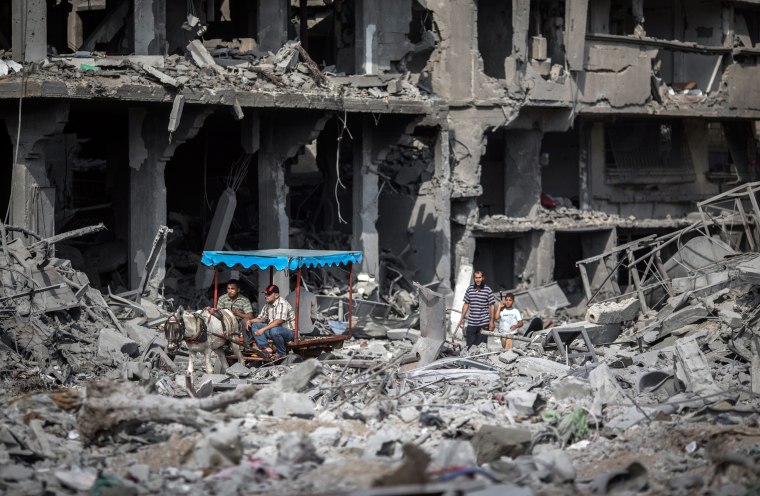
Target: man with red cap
276,321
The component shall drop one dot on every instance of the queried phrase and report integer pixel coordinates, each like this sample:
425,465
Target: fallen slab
692,367
492,442
112,346
538,367
612,312
607,391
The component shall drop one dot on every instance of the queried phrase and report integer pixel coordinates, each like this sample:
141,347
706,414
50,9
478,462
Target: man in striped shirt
480,303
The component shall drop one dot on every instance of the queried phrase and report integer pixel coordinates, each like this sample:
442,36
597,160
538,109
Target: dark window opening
642,152
495,257
568,249
5,26
492,175
494,35
547,19
747,27
6,169
228,25
91,26
89,170
559,167
312,177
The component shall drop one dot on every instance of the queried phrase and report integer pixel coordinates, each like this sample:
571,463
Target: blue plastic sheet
280,259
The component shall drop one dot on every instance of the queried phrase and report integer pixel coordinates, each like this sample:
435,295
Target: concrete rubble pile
566,216
290,69
411,415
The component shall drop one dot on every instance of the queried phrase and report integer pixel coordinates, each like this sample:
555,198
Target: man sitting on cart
276,321
239,305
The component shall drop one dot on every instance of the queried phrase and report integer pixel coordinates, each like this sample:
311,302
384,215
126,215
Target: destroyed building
608,146
519,136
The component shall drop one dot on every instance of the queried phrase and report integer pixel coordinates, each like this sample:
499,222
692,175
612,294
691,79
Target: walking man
479,311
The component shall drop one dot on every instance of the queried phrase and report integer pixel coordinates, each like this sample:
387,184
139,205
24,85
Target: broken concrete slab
522,402
613,312
112,345
606,389
144,337
161,77
712,280
491,442
732,319
749,272
683,317
202,57
293,404
537,367
692,367
220,446
238,370
573,388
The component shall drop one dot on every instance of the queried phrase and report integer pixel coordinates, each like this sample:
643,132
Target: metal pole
298,298
216,285
350,297
271,275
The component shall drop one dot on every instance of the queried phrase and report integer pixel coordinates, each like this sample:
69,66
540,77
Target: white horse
203,331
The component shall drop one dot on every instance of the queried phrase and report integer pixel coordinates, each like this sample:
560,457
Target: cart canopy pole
298,298
271,275
350,297
216,285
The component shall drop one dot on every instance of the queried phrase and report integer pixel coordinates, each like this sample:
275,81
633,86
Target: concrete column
282,136
520,23
32,203
369,149
272,29
466,213
365,192
150,27
149,151
596,243
523,172
367,14
596,165
29,30
534,258
442,196
584,178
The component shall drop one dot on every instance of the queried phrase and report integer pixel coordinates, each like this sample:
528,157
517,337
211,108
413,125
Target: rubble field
656,391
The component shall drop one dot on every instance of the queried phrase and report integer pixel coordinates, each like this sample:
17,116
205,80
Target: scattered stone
492,442
613,312
293,404
521,402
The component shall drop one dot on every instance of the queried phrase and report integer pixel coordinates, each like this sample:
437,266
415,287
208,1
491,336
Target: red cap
272,288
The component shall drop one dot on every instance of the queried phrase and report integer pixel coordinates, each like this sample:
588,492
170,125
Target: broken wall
616,74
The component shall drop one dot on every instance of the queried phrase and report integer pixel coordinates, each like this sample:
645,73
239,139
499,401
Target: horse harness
173,323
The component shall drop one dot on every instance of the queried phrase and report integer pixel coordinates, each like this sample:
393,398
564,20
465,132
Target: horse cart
292,260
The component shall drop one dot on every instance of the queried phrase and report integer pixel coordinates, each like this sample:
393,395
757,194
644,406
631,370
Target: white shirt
507,318
307,311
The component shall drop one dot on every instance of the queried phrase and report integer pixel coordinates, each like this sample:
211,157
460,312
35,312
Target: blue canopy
280,258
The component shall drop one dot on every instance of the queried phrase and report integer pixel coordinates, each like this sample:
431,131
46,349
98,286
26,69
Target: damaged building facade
517,136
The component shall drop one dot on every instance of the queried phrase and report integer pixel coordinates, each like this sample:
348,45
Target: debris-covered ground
651,395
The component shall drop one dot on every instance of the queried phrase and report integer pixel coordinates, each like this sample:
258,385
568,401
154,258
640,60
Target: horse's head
174,331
